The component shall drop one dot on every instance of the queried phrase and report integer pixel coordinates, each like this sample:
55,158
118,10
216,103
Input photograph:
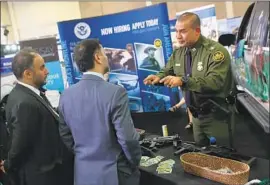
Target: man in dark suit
96,124
36,153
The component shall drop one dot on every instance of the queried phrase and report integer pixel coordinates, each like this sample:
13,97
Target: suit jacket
97,125
36,153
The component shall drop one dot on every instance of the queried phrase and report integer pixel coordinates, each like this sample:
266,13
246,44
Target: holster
207,109
197,111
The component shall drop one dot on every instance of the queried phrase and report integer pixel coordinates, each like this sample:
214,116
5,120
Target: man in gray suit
95,123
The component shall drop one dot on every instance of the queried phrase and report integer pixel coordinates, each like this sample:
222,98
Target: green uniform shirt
211,72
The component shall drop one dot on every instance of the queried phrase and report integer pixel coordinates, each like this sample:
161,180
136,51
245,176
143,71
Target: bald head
190,17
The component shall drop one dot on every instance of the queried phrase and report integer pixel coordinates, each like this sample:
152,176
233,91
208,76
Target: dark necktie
188,71
43,96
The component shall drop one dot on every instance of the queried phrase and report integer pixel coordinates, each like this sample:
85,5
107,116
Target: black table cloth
149,175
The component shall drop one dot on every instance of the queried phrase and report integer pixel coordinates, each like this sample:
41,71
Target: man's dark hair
84,54
23,60
194,18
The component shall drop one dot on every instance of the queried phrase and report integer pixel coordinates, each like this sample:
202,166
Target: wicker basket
206,166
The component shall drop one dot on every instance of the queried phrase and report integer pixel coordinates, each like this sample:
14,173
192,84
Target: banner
47,48
8,80
208,18
230,25
54,79
173,33
6,67
137,44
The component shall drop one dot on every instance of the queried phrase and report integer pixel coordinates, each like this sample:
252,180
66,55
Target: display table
149,176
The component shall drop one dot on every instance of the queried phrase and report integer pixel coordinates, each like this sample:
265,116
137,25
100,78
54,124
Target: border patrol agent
201,67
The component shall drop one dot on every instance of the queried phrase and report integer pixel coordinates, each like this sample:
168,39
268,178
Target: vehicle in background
250,62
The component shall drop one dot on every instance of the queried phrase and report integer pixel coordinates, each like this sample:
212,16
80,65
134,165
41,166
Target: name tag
178,65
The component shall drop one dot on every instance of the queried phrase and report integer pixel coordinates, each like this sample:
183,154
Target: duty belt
199,111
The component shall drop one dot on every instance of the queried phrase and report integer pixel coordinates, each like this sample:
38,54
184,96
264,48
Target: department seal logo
157,43
82,30
218,56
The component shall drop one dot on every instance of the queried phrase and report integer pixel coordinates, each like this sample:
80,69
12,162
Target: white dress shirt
35,90
94,73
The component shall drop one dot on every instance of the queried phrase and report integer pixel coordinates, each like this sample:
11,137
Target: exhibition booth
139,43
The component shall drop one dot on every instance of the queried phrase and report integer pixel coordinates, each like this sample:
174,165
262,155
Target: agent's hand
151,80
2,167
171,81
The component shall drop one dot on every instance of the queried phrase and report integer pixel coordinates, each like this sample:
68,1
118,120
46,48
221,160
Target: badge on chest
199,66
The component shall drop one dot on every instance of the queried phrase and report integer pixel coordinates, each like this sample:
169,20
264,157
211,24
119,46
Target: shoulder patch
218,56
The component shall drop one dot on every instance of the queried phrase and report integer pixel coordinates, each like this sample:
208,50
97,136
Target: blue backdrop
172,25
137,44
54,79
5,66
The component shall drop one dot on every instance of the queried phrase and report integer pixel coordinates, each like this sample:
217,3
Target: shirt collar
197,44
94,73
35,90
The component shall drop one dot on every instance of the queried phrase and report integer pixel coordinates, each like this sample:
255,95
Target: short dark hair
84,54
194,18
23,60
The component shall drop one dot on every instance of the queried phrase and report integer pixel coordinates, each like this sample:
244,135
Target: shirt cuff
160,75
188,83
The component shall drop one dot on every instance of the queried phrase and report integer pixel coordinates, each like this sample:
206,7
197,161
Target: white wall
37,19
5,21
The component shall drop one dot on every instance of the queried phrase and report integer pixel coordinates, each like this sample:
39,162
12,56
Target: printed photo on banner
129,82
208,26
229,26
155,102
76,70
149,57
150,88
121,60
234,24
135,104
